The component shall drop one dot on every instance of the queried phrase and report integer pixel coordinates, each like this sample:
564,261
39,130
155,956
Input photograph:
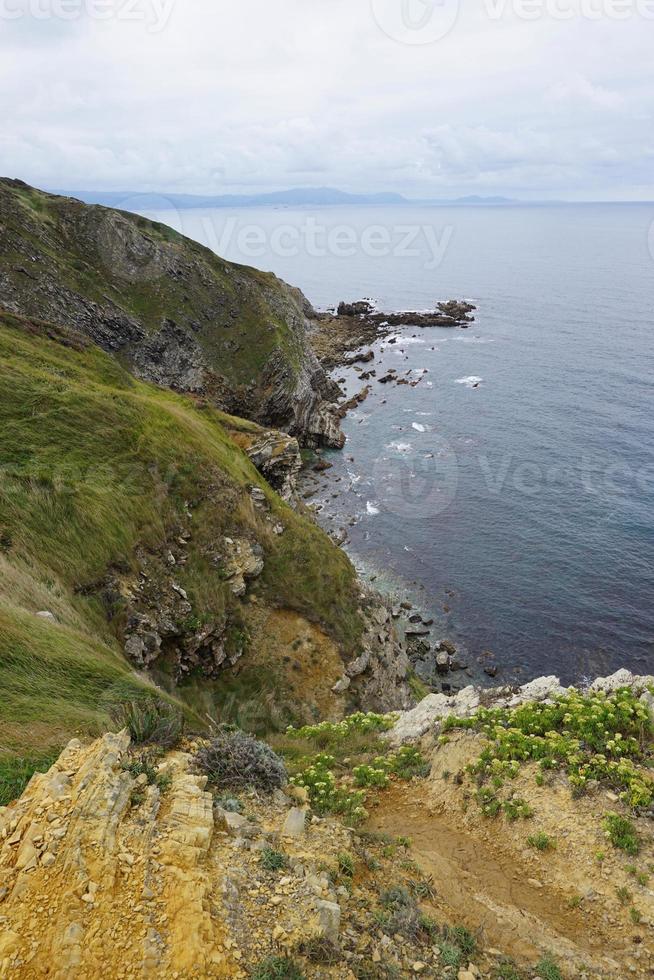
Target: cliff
140,545
171,310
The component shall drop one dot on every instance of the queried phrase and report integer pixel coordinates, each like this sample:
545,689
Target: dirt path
483,889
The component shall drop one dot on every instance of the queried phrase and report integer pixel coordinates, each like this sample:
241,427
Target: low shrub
326,795
461,937
594,736
541,841
272,860
622,833
547,969
150,721
235,759
345,864
277,968
321,950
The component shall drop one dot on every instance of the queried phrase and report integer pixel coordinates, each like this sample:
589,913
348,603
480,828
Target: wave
371,509
400,447
418,427
472,381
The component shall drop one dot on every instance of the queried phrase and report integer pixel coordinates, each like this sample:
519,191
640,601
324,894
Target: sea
508,487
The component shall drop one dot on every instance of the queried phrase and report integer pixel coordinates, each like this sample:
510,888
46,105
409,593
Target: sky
534,99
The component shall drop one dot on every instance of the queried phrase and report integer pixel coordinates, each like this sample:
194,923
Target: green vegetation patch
96,467
595,736
357,760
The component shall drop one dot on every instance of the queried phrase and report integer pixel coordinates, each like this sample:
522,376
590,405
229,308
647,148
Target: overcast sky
550,99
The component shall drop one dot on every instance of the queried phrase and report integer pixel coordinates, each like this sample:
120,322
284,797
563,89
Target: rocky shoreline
345,340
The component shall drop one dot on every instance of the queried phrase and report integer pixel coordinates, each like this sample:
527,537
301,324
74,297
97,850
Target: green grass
272,860
541,841
622,833
277,968
93,466
16,772
239,316
547,969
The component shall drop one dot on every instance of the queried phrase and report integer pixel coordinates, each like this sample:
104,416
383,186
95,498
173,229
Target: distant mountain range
296,197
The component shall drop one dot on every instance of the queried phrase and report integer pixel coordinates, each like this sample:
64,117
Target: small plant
277,968
272,860
593,736
345,863
547,969
575,901
600,856
624,895
451,955
429,926
150,721
541,841
321,950
423,888
325,795
401,914
622,833
235,759
462,938
635,915
516,809
229,803
506,970
144,765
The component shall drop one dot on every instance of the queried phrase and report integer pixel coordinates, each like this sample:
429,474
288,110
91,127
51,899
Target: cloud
205,97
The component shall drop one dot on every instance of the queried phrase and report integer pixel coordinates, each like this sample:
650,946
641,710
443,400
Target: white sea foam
418,427
401,339
371,509
401,447
475,340
471,381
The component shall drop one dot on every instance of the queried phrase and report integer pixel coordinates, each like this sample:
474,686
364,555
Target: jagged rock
259,499
329,919
358,666
243,561
621,678
230,821
341,685
46,614
540,689
277,456
295,822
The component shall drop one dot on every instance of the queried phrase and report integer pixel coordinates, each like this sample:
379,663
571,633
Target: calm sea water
520,511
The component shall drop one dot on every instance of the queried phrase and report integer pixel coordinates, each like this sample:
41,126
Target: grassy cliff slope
172,310
121,501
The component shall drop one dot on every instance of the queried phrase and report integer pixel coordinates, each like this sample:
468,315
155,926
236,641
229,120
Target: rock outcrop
413,724
176,313
377,679
108,871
